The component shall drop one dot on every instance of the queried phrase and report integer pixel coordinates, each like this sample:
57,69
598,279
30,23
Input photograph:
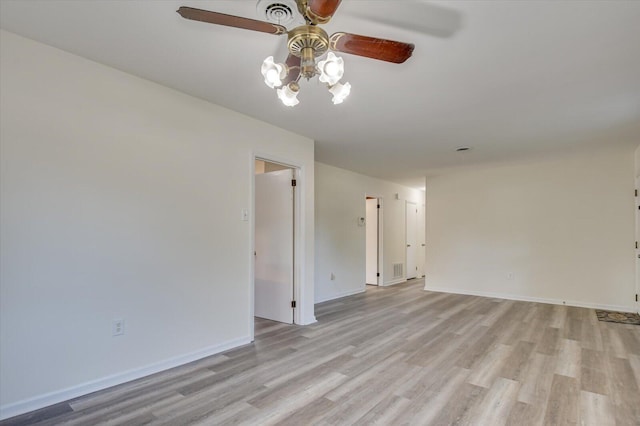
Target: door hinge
293,182
636,297
636,192
293,303
636,244
377,274
378,205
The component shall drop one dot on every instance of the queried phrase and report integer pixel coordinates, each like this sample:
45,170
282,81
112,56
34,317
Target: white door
421,239
274,245
371,241
411,237
637,244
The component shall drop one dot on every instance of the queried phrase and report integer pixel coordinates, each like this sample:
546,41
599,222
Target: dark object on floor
620,317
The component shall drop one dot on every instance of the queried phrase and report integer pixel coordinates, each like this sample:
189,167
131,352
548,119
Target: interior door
421,241
411,236
371,241
637,209
274,205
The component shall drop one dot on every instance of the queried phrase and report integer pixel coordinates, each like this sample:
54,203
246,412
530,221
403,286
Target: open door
637,210
421,239
274,250
372,240
411,236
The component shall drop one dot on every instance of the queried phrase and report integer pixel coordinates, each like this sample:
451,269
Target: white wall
121,199
558,230
340,242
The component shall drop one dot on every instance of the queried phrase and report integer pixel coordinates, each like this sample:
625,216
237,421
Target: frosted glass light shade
273,73
340,92
331,69
288,96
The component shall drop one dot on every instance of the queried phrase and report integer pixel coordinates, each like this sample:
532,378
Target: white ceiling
511,79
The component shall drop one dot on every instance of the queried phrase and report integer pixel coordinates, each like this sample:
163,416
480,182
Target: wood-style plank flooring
393,356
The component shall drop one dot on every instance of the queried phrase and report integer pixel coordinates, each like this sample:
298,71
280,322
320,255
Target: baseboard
394,282
41,401
341,295
309,321
521,298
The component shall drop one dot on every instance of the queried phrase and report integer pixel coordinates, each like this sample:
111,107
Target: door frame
406,240
380,240
637,251
422,248
298,236
380,276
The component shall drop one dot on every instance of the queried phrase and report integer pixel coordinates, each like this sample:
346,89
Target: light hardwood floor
392,356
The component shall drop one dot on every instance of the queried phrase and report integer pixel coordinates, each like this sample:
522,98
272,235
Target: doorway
372,240
274,241
421,240
637,210
411,238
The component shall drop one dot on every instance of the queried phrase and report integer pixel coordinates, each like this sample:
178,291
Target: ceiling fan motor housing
308,42
308,36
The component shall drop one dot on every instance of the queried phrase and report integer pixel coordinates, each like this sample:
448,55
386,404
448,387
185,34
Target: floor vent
398,270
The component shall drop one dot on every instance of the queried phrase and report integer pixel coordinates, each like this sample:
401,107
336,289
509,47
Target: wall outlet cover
117,327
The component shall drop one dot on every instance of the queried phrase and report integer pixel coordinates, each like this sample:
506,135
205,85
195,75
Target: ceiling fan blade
321,11
293,62
230,20
371,47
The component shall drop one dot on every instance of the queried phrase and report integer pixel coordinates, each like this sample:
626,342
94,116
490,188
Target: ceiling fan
307,42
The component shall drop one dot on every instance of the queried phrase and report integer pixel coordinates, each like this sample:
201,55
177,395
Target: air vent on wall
398,270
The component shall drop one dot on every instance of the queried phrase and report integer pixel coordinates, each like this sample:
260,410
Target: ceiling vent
281,12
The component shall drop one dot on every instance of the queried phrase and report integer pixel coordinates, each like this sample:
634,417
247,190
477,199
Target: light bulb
340,92
273,78
289,94
331,69
273,73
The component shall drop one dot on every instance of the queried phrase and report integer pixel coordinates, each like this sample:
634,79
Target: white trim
341,295
309,321
406,233
301,316
394,282
380,237
41,401
637,250
530,299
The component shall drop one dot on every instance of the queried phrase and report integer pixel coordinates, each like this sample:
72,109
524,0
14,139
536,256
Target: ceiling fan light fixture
306,43
331,69
340,92
273,73
289,94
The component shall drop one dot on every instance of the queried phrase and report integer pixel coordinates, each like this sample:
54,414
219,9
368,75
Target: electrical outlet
117,327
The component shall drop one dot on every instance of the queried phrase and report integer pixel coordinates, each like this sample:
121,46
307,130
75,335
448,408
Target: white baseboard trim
41,401
308,321
394,282
341,295
521,298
